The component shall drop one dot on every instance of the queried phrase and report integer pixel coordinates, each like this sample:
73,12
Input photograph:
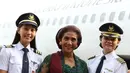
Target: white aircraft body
88,15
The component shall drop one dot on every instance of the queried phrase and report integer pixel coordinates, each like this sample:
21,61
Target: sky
11,9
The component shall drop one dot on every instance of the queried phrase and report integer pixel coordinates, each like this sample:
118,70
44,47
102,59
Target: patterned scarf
57,64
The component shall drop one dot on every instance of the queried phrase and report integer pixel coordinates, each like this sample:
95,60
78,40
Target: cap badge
111,28
31,17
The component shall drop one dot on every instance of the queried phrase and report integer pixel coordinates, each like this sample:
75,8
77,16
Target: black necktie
25,66
100,64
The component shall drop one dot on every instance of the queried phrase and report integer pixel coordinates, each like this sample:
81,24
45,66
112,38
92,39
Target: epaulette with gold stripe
38,52
9,46
120,60
6,46
0,47
91,57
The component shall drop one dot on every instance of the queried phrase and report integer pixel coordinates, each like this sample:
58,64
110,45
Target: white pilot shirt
110,65
11,59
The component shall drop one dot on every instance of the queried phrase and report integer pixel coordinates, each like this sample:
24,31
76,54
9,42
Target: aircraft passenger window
48,22
76,19
84,19
102,17
68,20
41,22
61,21
92,18
121,15
3,26
54,21
129,16
8,26
111,17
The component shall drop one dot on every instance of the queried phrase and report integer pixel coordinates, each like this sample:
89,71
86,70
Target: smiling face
109,44
69,42
27,33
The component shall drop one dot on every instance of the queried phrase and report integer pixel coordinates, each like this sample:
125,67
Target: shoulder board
38,52
91,57
0,47
120,60
9,46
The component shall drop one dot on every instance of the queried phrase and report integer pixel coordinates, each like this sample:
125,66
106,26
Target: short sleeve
1,48
4,59
122,68
46,61
84,65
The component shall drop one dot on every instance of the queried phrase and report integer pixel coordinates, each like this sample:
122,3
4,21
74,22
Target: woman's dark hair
65,29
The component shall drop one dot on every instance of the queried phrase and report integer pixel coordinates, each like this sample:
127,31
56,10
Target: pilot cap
28,18
111,30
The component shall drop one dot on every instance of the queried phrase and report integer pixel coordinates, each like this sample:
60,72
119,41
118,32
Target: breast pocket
15,63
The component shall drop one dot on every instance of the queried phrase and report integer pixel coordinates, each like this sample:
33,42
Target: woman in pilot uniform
21,56
108,61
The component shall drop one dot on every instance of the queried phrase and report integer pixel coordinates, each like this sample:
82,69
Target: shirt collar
19,46
110,55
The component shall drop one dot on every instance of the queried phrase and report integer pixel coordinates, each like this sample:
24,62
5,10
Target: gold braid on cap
27,21
110,33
